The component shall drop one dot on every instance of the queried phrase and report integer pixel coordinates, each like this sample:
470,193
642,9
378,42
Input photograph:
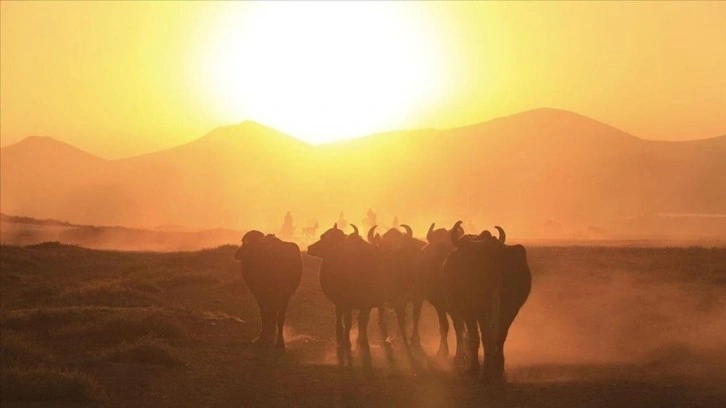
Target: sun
323,71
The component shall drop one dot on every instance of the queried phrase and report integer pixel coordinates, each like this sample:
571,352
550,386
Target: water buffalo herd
476,280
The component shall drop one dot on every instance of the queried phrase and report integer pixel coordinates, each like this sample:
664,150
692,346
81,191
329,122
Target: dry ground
623,327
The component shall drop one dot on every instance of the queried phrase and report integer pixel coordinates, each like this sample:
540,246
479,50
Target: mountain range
544,172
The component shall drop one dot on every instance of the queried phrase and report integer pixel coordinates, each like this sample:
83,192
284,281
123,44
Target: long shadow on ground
282,380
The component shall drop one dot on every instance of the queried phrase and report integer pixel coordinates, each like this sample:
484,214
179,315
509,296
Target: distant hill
29,220
16,230
540,173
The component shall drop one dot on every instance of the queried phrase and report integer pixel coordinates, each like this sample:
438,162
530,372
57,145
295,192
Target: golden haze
148,151
541,173
123,78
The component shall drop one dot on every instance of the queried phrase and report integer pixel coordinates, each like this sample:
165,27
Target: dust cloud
594,313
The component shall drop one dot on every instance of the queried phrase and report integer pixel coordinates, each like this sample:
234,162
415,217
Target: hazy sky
122,78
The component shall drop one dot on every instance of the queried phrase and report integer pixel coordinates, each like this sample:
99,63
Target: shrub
146,350
104,294
42,317
17,350
186,279
127,327
41,290
100,324
48,384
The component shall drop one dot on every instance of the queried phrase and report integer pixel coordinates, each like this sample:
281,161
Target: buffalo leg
493,354
267,325
260,339
415,337
339,326
270,325
281,311
460,355
494,362
496,328
472,330
443,333
363,317
382,324
498,360
347,322
401,318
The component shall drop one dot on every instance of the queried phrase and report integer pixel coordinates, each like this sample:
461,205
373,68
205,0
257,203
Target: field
603,327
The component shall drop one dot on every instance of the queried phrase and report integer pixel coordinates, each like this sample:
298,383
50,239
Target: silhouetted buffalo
429,264
487,283
272,270
351,279
397,252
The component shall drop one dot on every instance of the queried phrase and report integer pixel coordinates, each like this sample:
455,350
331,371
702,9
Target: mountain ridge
250,126
47,142
522,170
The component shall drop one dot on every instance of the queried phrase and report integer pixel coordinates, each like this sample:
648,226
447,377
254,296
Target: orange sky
122,78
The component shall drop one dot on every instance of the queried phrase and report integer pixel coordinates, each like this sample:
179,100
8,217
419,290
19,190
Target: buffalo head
437,235
484,239
396,241
373,237
250,240
329,240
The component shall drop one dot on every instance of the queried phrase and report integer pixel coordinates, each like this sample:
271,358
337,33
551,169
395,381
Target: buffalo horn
371,234
502,234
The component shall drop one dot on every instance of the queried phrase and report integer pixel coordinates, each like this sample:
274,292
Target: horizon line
435,129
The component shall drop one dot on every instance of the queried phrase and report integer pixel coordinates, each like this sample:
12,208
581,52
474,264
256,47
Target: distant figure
395,223
342,223
469,226
272,270
371,219
310,232
288,229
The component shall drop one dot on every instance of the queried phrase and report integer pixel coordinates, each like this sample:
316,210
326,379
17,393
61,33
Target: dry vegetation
603,327
146,350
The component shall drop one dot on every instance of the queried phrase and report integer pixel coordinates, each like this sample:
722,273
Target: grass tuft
18,350
48,384
185,279
114,294
146,350
96,324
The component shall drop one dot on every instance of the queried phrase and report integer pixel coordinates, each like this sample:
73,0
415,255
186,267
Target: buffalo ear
456,233
430,232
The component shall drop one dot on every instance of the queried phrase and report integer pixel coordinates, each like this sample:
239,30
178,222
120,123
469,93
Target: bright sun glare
323,71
